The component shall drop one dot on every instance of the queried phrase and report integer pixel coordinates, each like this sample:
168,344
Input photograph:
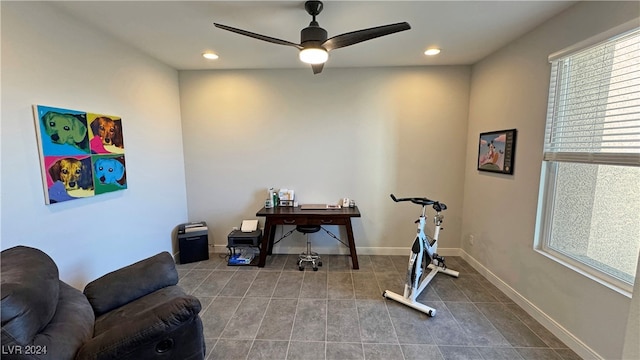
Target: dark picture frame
496,151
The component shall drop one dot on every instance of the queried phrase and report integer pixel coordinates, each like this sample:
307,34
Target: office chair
308,256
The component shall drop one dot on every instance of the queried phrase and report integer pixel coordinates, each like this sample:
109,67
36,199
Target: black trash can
193,242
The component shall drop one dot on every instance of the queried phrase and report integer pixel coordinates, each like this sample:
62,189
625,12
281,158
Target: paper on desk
249,225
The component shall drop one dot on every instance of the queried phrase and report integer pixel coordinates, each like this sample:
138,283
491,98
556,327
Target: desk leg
267,242
352,246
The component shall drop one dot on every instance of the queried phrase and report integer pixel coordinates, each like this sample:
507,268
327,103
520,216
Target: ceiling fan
314,46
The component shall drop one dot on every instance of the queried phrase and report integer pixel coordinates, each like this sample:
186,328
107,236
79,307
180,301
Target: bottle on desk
269,202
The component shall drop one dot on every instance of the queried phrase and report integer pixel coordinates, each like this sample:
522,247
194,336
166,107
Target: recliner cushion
30,291
71,326
129,283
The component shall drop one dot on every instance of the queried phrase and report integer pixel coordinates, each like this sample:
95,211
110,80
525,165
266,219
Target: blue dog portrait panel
81,154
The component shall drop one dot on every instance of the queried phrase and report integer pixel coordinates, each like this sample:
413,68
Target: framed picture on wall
81,153
496,151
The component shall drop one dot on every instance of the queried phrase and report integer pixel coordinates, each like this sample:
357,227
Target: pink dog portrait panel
81,154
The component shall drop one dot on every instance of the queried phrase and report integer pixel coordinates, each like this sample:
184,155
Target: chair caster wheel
300,268
315,268
320,263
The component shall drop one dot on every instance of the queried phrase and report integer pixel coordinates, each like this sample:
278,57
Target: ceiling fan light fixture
432,51
314,56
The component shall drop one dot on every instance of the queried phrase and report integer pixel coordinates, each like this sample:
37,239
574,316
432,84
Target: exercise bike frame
423,256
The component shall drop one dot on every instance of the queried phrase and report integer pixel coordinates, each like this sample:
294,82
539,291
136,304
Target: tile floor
279,312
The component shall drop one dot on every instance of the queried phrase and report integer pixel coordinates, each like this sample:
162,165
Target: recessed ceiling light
432,51
209,55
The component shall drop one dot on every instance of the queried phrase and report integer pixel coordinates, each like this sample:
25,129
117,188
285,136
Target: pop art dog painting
62,131
72,146
106,134
110,173
68,178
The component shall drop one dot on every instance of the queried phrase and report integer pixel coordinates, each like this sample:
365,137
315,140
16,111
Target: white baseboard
333,250
556,329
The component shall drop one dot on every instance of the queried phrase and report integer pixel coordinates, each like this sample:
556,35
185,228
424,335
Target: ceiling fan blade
257,36
317,68
355,37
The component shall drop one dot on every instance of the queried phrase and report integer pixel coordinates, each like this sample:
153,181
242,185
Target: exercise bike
423,256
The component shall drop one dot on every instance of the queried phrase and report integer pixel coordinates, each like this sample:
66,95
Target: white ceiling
177,32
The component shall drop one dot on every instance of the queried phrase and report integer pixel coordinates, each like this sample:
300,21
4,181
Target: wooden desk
284,215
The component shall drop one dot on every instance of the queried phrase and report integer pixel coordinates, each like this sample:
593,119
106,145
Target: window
589,206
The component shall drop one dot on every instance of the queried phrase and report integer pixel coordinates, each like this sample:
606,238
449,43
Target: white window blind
593,114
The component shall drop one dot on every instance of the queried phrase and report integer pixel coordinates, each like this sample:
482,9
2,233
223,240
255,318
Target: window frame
548,183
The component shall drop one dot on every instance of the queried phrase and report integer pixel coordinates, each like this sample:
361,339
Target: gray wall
509,89
357,133
51,59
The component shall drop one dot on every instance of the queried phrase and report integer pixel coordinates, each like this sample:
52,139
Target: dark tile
246,320
567,354
214,283
382,263
390,280
460,353
366,286
344,351
421,352
499,353
275,262
502,297
364,264
288,285
291,263
214,262
446,330
459,264
239,283
193,279
514,330
278,320
342,321
476,325
314,285
230,349
538,354
400,262
428,294
311,320
341,263
306,350
218,314
375,324
382,352
264,284
446,288
551,340
340,285
470,285
268,350
411,326
209,344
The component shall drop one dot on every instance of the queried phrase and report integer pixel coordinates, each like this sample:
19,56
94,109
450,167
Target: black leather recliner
137,312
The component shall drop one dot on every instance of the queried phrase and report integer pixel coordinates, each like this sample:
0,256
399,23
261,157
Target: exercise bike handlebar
437,206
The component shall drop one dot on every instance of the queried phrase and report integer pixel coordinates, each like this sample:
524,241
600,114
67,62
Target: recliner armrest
129,283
